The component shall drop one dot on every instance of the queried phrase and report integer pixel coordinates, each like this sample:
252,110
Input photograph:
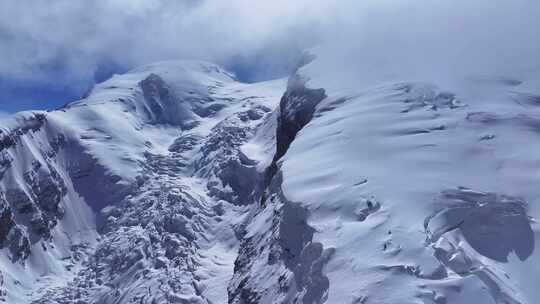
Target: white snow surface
399,189
424,191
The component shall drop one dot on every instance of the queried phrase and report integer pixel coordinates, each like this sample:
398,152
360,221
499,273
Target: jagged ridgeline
176,183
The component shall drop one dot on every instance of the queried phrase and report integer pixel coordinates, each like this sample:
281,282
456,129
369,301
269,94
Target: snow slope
399,191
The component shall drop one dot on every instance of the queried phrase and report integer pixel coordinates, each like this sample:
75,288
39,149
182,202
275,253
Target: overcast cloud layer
74,37
64,45
66,42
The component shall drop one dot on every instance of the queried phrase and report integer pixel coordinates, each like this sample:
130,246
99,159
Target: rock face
6,219
30,197
163,106
289,264
296,109
231,174
286,245
175,183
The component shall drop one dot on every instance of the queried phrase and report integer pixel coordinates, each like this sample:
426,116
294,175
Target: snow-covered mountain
175,183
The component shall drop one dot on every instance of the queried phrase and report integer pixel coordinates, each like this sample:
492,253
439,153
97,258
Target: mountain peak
175,183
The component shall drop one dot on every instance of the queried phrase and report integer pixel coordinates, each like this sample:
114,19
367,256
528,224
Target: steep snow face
44,221
137,192
400,192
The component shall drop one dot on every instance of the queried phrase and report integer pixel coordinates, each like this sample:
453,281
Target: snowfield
175,183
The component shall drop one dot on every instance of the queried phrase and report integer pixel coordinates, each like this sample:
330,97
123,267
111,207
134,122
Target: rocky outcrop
162,105
6,218
39,201
296,109
280,262
30,201
18,243
25,123
232,175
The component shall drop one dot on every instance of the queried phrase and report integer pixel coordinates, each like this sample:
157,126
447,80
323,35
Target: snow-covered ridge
75,181
402,192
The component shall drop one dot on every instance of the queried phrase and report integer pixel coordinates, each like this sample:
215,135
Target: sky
53,51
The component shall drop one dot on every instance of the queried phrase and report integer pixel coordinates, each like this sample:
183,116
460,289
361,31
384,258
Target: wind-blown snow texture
174,183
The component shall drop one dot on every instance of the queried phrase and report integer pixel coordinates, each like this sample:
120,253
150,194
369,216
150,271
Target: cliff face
32,186
175,183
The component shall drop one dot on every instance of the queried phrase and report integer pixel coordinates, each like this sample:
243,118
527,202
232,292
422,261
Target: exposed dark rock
40,225
18,243
184,143
296,109
289,242
164,107
20,200
7,140
6,219
34,122
52,189
40,204
232,175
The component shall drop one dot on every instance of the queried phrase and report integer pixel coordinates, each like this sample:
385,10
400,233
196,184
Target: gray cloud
435,40
67,41
70,38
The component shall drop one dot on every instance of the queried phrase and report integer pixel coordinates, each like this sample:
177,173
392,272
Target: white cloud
66,40
71,37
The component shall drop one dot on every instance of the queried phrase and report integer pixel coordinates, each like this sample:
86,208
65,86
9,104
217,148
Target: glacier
177,183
